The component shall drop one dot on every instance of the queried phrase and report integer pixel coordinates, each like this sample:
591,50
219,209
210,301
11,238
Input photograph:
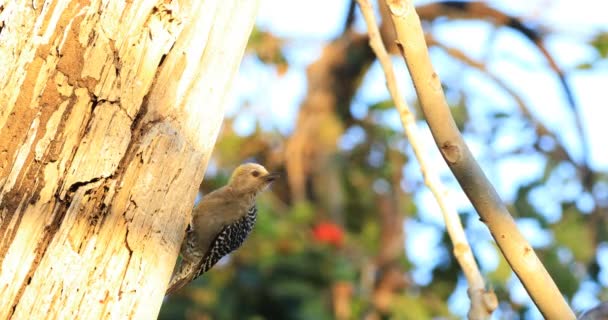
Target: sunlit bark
108,114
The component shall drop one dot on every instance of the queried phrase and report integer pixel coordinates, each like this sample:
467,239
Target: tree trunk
108,114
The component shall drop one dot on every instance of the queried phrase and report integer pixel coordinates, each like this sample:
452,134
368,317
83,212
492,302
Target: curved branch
540,128
516,249
483,302
480,10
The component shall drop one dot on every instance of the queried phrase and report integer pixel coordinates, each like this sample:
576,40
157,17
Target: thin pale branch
516,249
482,302
482,11
540,128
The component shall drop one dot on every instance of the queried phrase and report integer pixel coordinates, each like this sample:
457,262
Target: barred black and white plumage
220,223
229,239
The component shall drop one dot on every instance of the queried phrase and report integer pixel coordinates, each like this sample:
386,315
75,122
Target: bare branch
482,302
481,10
539,127
517,251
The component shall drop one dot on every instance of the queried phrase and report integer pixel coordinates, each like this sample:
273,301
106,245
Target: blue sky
308,25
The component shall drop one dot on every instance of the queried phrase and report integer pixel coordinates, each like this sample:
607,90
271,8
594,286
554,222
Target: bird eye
255,173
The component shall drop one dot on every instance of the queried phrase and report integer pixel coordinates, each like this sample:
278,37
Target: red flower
330,233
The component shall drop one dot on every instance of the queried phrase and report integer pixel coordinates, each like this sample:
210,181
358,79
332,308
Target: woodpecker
221,222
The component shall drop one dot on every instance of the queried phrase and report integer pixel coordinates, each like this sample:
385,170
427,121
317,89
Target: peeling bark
108,114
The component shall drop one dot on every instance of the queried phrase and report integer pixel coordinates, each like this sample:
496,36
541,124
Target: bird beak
271,177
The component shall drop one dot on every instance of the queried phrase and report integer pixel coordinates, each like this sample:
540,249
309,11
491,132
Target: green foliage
600,43
302,213
501,274
294,286
411,307
268,48
573,233
522,206
383,105
563,273
285,270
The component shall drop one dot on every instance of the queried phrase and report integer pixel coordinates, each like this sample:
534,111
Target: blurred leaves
501,274
600,43
268,48
310,259
522,206
561,272
573,233
382,105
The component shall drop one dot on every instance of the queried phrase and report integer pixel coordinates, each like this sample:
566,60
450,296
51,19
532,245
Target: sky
309,25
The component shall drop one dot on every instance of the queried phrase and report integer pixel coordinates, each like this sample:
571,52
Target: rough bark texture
108,114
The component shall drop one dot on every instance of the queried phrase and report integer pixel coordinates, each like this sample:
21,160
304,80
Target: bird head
251,178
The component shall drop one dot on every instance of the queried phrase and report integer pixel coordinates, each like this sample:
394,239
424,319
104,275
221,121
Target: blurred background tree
351,232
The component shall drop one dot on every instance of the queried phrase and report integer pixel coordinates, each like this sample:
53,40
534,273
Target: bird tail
183,275
181,278
176,284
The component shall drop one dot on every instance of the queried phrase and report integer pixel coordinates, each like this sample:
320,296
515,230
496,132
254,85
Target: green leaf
572,232
522,206
302,212
382,105
585,66
561,273
600,43
502,273
500,115
370,235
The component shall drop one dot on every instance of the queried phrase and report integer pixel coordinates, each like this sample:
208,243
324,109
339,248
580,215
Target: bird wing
230,238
